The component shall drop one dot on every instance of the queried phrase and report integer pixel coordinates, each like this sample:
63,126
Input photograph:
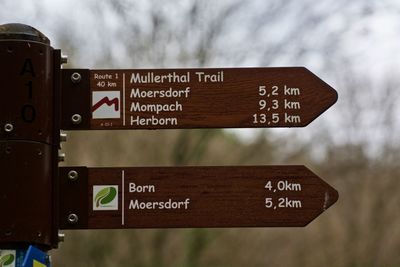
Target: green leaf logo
6,260
105,196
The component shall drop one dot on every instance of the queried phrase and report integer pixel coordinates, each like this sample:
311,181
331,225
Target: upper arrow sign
193,98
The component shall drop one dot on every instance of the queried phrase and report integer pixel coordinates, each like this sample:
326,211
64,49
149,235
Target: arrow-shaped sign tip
331,196
329,91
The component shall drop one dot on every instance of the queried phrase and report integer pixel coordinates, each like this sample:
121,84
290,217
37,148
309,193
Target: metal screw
76,77
61,157
76,119
73,175
73,218
8,127
63,137
61,237
64,59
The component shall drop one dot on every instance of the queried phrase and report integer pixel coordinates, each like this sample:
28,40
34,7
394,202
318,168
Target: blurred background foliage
354,146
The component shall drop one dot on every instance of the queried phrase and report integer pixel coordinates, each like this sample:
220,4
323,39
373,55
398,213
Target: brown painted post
29,138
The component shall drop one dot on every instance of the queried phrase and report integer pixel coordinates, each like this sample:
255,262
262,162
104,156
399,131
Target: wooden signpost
169,197
194,98
39,99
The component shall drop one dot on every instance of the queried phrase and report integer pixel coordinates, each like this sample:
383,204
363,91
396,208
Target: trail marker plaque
200,98
161,197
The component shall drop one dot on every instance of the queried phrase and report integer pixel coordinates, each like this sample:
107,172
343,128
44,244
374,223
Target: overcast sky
372,42
369,44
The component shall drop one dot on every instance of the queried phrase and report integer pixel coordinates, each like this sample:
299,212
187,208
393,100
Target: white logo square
8,258
105,197
106,104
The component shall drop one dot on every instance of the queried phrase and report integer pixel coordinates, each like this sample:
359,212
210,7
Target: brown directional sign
193,98
158,197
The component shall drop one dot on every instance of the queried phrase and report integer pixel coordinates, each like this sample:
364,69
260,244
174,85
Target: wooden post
29,138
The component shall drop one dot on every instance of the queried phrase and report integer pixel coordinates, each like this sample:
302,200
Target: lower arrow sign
169,197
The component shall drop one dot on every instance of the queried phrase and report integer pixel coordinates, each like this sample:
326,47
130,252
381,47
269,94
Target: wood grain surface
214,197
207,98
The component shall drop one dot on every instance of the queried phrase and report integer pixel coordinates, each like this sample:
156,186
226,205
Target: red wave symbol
108,102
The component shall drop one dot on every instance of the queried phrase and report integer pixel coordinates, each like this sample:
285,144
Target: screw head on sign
73,175
8,232
76,119
73,218
8,127
76,77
